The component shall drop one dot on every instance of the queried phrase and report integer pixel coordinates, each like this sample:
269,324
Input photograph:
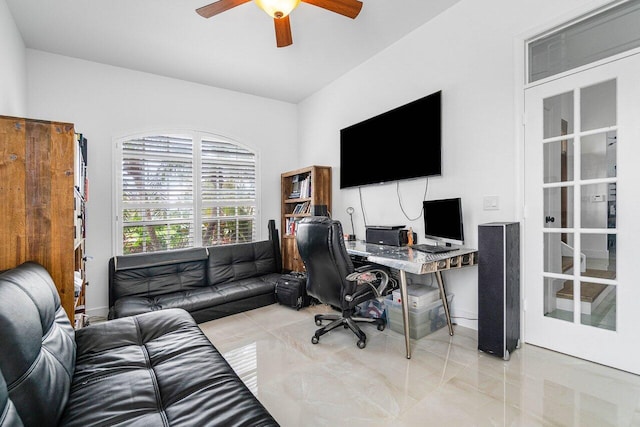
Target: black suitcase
291,290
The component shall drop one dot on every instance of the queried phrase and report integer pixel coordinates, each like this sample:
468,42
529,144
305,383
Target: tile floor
447,381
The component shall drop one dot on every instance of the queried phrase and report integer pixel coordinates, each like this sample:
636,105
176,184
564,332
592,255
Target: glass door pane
579,205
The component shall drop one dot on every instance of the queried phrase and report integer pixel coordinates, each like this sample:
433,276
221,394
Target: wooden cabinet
302,191
39,209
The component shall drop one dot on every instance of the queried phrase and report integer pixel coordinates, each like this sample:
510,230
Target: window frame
564,25
197,137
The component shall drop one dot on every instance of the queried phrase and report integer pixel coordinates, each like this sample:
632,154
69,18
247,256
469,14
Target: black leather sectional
209,282
152,369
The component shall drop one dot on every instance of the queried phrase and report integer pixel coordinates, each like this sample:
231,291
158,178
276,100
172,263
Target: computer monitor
443,221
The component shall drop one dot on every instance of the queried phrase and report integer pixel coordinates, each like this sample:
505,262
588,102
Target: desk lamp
351,236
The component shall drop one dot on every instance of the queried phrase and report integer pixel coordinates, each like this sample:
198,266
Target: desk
405,259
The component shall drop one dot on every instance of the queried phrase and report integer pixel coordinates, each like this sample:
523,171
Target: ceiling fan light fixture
277,8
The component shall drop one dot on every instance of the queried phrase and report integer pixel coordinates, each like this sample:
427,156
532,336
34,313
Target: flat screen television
443,221
385,147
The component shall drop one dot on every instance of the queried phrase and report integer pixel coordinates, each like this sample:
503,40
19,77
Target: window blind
228,193
181,191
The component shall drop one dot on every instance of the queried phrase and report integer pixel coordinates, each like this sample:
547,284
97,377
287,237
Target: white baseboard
465,318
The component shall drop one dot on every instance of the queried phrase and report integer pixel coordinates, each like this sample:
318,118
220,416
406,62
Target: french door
582,214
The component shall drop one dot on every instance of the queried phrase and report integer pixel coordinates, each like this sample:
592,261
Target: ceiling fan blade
220,6
283,31
348,8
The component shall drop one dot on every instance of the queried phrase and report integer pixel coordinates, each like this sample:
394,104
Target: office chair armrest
367,267
379,280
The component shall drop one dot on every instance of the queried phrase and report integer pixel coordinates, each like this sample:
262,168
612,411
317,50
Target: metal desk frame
407,260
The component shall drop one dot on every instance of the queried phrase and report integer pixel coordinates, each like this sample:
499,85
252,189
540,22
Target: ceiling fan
280,9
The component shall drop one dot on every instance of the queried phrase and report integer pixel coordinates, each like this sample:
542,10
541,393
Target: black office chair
333,280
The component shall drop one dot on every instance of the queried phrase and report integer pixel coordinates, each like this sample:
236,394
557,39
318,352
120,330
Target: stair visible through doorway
591,294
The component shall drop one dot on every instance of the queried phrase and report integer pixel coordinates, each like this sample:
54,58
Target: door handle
549,219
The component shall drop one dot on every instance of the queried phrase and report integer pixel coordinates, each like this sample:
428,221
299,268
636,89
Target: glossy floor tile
447,381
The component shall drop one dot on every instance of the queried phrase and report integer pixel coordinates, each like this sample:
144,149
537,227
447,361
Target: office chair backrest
321,246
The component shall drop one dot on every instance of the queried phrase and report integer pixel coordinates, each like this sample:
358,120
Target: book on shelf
291,226
295,187
305,187
300,187
302,208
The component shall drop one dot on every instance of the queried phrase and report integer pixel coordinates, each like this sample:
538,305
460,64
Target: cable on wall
364,215
424,197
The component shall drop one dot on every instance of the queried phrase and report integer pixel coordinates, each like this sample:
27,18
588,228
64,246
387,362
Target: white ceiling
235,50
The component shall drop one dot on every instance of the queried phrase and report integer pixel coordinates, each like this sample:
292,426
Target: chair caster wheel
314,340
362,344
381,327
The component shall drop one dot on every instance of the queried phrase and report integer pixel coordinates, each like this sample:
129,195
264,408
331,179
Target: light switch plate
490,203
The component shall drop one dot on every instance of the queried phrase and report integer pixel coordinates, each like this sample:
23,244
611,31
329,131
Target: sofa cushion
157,273
249,287
230,263
38,348
156,369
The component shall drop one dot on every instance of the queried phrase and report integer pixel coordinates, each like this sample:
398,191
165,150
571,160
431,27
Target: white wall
107,102
473,54
13,67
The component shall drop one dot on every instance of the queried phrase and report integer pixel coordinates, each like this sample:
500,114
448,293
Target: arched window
182,190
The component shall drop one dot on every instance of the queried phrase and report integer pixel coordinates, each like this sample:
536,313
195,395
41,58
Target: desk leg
405,311
445,303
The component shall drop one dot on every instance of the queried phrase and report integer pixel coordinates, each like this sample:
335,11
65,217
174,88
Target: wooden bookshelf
301,190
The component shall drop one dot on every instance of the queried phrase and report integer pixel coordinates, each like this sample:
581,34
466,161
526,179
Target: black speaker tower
499,288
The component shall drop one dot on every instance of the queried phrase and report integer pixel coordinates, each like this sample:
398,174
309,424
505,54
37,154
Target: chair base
347,321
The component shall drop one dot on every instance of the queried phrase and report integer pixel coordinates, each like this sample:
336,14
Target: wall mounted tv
385,148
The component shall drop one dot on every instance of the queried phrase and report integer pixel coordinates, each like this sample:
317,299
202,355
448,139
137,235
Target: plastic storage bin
422,321
419,296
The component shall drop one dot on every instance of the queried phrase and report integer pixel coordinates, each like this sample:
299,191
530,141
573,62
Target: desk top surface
410,260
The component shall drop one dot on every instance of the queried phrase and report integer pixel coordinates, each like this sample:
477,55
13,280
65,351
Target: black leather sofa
209,282
153,369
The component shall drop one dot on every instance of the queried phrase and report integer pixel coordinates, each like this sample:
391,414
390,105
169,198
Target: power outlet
490,203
